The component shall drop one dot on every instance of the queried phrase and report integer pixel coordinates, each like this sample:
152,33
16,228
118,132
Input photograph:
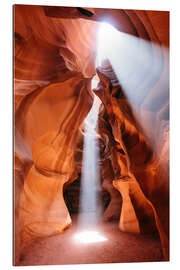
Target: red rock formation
141,160
54,62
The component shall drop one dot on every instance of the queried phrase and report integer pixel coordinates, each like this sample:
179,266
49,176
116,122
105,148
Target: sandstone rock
54,62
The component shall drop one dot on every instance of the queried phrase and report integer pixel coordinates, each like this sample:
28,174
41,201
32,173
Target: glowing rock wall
54,62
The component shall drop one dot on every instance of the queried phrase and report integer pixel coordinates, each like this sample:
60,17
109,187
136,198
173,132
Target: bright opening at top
108,36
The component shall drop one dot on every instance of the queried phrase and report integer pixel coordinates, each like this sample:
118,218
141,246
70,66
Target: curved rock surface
54,63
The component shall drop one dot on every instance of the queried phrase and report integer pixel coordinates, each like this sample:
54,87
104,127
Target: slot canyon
91,135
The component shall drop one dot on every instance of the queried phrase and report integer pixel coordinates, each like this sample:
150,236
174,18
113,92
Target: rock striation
54,63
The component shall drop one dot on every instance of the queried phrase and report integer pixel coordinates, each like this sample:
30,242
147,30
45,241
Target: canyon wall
54,63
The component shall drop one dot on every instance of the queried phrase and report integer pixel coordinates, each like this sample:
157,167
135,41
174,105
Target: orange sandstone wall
54,62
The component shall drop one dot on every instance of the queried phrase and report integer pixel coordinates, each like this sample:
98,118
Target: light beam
90,207
142,69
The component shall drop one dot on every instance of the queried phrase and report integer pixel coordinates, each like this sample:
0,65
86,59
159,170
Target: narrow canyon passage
90,205
91,135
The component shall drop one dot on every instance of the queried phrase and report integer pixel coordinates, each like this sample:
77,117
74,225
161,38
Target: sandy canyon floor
118,248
